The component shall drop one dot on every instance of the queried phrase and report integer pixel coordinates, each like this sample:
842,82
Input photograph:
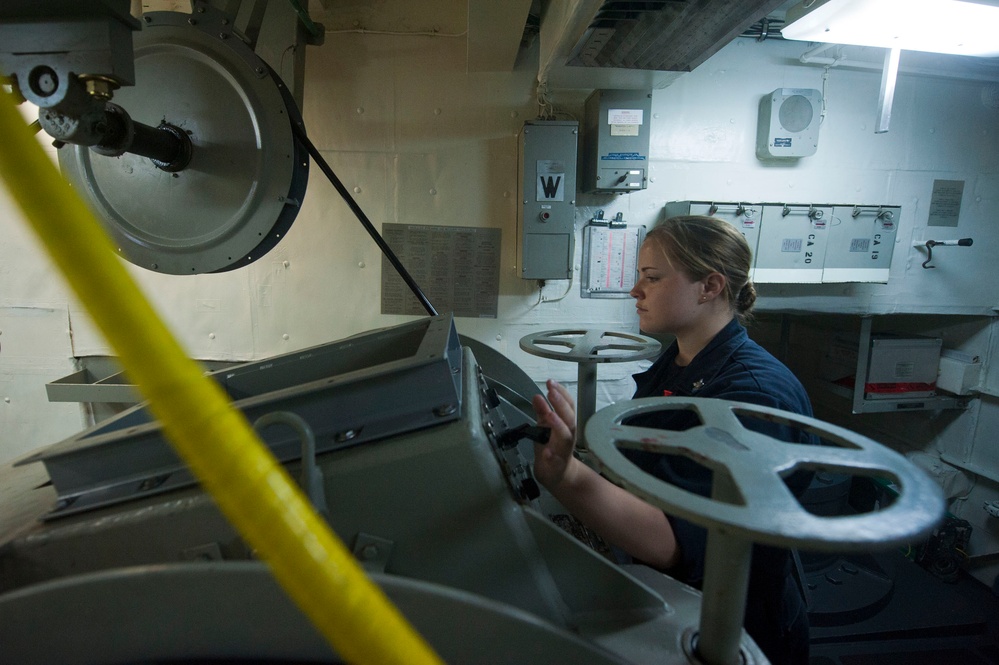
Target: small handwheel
749,496
585,346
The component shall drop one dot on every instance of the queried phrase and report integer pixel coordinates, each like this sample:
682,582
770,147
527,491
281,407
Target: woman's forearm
617,516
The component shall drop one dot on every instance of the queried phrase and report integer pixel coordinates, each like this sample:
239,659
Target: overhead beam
495,30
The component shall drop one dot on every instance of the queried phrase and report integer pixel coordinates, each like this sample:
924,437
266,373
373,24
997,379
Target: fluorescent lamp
938,26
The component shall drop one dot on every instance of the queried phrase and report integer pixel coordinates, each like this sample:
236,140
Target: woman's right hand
620,518
554,460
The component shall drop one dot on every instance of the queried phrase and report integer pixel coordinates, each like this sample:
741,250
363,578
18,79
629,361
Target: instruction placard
625,122
945,203
456,267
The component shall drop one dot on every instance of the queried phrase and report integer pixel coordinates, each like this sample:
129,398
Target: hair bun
746,298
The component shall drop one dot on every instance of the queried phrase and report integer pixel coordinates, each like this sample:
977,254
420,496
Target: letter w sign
551,186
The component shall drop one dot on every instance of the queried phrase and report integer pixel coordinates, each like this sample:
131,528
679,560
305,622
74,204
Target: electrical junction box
743,216
547,192
616,139
788,123
861,243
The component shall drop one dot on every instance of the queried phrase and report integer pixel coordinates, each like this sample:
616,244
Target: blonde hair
699,245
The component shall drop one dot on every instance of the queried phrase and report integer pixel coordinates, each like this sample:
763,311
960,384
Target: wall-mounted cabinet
806,243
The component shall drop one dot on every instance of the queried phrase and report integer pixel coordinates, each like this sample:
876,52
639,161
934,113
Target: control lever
521,478
930,244
512,437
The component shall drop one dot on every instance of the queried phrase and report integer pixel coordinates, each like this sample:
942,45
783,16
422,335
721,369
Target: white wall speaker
789,123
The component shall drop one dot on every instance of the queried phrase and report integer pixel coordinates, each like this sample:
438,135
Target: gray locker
861,243
792,245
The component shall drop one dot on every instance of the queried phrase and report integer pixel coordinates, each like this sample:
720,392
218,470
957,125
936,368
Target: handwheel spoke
845,460
719,414
588,345
752,469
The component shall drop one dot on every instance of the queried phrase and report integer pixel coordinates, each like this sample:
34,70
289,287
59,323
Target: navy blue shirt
733,367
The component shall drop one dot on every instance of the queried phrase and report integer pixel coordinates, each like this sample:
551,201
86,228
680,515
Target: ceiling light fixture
940,26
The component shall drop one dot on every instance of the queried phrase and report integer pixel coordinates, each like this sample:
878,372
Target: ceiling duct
655,41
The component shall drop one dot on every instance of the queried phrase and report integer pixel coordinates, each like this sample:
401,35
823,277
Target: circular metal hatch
248,171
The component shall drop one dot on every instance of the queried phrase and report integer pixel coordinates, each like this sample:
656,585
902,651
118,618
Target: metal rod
586,396
863,353
168,146
723,605
889,75
726,582
315,31
727,561
365,222
109,130
252,28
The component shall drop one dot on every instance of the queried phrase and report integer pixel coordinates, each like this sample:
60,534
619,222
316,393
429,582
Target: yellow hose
213,438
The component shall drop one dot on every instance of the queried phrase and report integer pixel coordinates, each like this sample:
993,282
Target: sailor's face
666,298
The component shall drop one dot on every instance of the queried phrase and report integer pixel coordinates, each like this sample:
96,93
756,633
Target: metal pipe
586,396
887,95
315,30
109,130
167,146
726,584
164,144
809,56
723,604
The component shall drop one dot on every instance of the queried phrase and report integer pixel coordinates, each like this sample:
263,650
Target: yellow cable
213,438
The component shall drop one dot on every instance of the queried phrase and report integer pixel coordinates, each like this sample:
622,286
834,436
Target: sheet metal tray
351,392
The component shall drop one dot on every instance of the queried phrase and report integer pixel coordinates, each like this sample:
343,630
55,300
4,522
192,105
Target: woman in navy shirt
694,283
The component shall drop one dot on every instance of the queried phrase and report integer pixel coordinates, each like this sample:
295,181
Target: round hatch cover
248,171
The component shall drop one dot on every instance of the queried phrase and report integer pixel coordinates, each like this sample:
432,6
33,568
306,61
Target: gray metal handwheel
749,501
587,348
749,494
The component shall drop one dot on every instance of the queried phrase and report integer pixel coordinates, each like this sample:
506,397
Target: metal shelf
882,405
88,386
